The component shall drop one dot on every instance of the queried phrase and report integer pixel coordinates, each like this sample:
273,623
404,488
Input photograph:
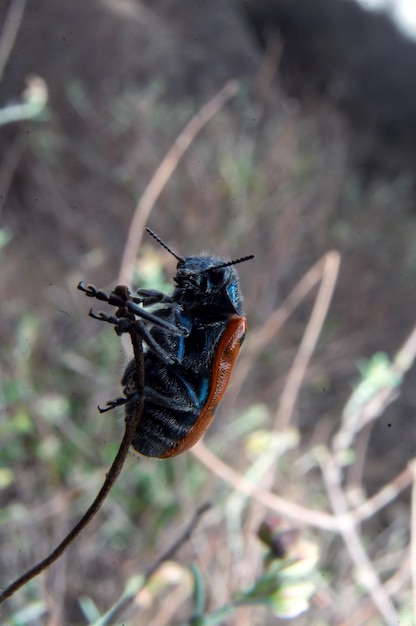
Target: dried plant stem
392,586
400,577
374,406
330,268
325,273
255,344
111,477
117,611
382,498
357,415
367,575
238,482
298,513
164,172
365,612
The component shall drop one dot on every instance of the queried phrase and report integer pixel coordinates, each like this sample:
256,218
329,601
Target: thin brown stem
350,534
356,417
310,337
255,344
118,610
384,496
111,477
294,511
164,172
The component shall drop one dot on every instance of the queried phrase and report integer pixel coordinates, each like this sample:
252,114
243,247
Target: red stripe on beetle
222,366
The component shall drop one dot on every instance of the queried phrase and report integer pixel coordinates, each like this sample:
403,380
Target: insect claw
114,298
94,315
102,317
111,404
89,290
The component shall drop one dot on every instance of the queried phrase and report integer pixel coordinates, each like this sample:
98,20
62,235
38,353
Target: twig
179,541
325,272
400,577
298,513
255,344
117,611
164,172
361,410
111,477
9,33
294,511
392,585
387,494
355,418
330,268
367,575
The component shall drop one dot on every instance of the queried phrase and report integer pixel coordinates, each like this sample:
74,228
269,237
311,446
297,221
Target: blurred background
315,152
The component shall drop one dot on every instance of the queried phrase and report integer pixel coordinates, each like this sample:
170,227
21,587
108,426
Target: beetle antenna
162,243
235,262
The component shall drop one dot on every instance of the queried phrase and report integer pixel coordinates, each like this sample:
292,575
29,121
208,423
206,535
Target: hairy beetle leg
121,298
137,310
148,297
124,325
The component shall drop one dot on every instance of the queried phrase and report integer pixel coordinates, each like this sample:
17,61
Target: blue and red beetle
192,338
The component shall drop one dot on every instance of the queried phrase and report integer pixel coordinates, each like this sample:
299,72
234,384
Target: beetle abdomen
174,398
176,412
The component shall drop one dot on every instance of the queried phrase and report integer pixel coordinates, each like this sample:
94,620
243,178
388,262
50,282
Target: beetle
192,340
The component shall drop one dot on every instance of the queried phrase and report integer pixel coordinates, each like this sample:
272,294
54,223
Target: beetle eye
216,275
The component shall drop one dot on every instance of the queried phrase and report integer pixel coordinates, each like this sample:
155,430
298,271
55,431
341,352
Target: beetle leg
181,327
124,325
121,298
151,343
158,321
155,398
164,401
148,297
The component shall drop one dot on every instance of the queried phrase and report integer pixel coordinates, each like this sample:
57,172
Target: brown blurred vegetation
287,171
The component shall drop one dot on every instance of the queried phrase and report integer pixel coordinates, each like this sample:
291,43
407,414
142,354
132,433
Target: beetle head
206,280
